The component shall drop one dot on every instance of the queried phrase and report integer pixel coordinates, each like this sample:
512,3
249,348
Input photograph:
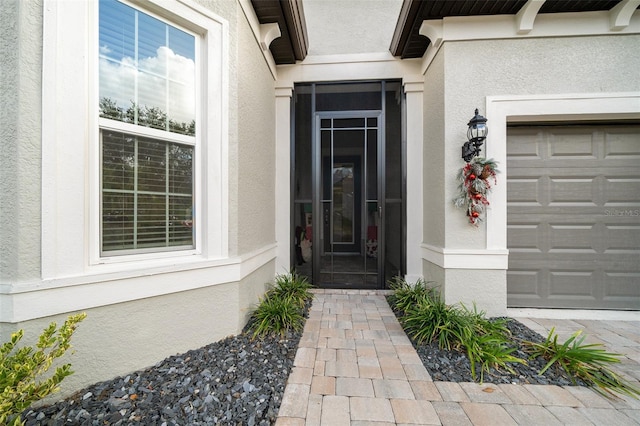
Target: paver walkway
356,366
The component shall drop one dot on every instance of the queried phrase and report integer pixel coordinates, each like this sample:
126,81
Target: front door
347,184
347,189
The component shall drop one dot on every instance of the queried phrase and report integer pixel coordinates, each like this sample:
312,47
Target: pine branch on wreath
475,180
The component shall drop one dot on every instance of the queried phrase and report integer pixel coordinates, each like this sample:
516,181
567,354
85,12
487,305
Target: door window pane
343,202
349,96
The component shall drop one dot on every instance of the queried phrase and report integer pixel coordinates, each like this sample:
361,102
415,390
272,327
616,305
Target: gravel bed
240,381
236,381
454,366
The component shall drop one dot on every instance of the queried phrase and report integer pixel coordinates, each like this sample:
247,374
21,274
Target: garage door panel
527,190
528,146
622,191
573,217
573,239
621,144
577,190
622,239
564,145
523,238
622,285
524,283
579,283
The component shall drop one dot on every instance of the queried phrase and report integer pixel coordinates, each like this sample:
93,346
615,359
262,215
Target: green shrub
429,319
282,308
487,343
294,286
406,295
587,362
21,369
276,314
426,319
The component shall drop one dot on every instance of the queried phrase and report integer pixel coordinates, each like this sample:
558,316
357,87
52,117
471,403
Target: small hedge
282,308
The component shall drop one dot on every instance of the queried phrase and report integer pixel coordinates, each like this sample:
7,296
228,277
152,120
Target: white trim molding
465,258
283,94
414,88
39,299
528,23
262,33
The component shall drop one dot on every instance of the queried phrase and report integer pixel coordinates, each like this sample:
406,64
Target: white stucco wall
516,67
118,339
139,312
256,151
474,70
434,148
20,117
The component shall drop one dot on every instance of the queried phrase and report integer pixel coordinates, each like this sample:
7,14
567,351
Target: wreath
474,184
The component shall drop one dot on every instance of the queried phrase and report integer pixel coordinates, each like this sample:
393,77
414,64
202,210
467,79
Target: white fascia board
368,66
466,258
459,28
26,301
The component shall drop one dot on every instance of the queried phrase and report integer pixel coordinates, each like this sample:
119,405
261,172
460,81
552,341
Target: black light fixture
476,134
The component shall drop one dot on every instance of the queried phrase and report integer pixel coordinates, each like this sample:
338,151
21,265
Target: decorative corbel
527,15
268,33
620,14
432,29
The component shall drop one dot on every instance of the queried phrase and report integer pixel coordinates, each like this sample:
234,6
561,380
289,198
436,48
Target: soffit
408,43
293,44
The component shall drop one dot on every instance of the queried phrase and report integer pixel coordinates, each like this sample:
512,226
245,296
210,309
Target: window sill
110,284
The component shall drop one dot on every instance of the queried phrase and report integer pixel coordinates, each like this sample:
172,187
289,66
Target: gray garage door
573,216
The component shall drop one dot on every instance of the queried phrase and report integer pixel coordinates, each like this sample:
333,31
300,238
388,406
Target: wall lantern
476,134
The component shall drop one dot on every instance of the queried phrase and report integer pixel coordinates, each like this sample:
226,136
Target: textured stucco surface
118,339
255,168
434,147
519,67
486,289
20,118
433,274
460,78
340,26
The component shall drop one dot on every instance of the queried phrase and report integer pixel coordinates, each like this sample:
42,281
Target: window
148,140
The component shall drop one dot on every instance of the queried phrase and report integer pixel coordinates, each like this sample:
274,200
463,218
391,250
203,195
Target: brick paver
487,414
531,415
355,366
407,411
487,392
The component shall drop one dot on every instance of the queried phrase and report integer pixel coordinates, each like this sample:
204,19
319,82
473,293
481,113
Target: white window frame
197,22
71,165
160,135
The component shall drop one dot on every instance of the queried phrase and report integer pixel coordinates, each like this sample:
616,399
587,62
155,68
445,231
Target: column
413,88
283,92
